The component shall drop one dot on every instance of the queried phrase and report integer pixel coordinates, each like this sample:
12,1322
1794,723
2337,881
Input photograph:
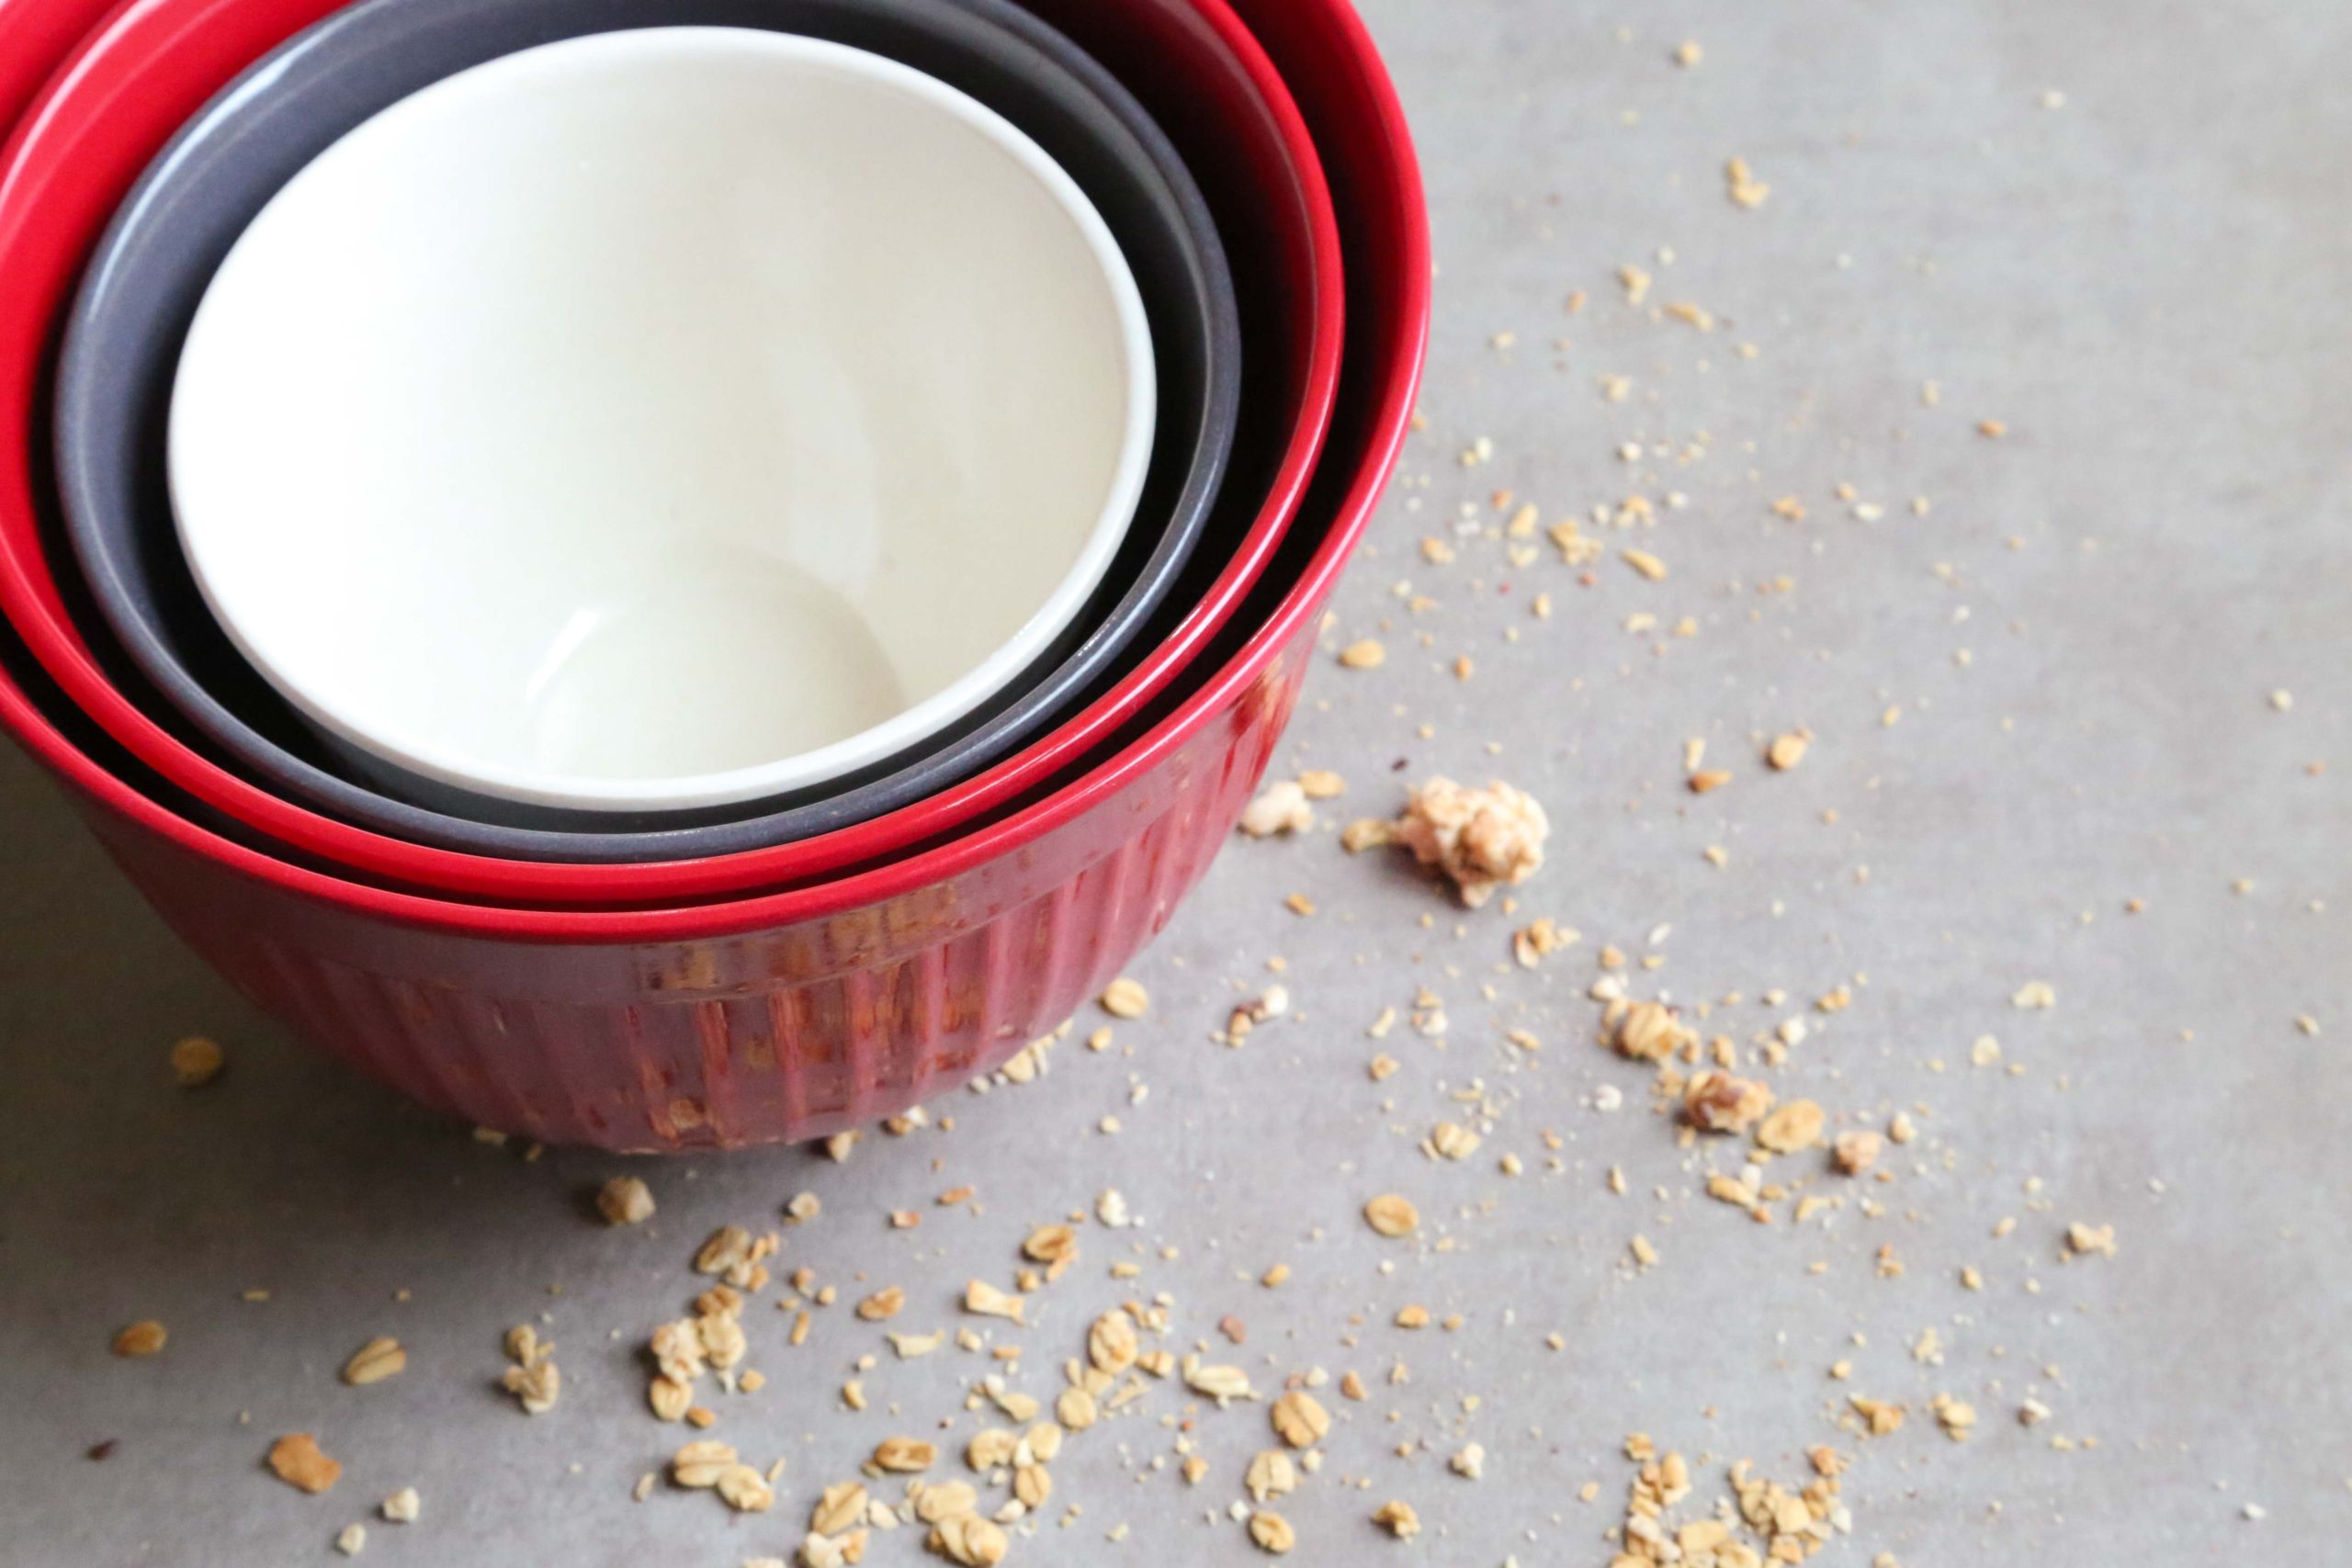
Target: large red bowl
793,1014
149,65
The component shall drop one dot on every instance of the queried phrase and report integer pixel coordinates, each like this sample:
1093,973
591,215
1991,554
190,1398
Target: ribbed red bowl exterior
792,1031
794,1014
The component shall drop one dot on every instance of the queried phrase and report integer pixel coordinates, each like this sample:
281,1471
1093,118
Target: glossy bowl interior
659,419
197,197
789,1015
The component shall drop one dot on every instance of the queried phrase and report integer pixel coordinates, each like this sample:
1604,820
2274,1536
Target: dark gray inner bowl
123,336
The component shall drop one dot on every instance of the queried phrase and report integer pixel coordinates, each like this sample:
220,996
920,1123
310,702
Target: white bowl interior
661,418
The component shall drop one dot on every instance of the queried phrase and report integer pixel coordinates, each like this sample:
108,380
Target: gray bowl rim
1103,135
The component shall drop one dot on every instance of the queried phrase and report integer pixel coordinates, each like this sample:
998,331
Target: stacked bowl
673,573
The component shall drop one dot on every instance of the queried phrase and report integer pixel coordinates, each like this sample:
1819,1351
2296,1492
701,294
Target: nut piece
142,1338
2085,1241
904,1456
1363,654
1281,807
298,1461
625,1200
1299,1420
884,1303
1271,1532
1392,1214
197,1061
352,1539
1483,839
374,1362
403,1506
1123,998
1397,1517
1718,1103
535,1386
1050,1243
1787,750
1856,1151
1796,1125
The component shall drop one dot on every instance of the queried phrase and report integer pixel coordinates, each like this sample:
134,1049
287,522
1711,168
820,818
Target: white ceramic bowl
660,419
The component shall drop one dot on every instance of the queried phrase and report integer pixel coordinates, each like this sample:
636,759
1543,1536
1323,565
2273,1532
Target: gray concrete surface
2147,283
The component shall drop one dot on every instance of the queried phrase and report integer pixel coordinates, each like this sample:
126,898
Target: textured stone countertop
2094,669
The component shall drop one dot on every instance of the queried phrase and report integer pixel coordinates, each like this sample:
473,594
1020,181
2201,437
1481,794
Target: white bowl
659,419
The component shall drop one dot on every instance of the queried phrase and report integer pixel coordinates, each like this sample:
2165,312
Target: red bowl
793,1014
153,62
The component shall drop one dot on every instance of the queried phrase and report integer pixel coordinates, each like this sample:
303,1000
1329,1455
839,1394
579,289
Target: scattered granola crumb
1271,1532
1787,750
1741,185
2090,1241
1397,1517
403,1506
1125,999
1363,654
197,1061
145,1338
379,1359
1391,1215
1483,839
298,1461
1281,807
352,1539
625,1200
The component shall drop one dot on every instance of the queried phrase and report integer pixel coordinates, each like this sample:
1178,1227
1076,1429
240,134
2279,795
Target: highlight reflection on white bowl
661,418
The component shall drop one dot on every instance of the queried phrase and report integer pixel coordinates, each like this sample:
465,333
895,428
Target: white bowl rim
910,726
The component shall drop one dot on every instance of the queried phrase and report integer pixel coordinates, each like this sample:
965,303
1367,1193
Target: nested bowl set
681,573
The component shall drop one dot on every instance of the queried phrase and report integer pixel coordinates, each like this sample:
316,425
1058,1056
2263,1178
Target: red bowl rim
28,593
1230,684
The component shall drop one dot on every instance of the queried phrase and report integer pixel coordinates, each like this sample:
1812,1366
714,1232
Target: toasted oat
1452,1141
699,1465
1483,839
625,1200
1299,1420
905,1456
1271,1532
1787,750
373,1362
1706,780
1075,1409
745,1490
970,1540
142,1338
1391,1215
1397,1517
669,1398
298,1461
1363,654
1111,1344
1123,998
1322,783
1796,1125
884,1303
838,1508
1218,1382
197,1061
1281,807
1647,564
1050,1244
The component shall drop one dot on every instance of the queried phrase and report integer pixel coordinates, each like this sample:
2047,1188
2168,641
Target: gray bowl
123,336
